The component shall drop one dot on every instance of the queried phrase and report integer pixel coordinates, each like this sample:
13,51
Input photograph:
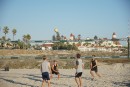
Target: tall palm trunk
13,37
5,36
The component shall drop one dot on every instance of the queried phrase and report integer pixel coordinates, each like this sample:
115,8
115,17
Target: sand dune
115,75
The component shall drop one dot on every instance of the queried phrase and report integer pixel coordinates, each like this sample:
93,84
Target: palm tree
25,38
95,37
28,37
5,31
14,32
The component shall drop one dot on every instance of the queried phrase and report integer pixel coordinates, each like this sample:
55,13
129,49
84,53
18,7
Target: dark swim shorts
45,76
53,72
94,69
79,74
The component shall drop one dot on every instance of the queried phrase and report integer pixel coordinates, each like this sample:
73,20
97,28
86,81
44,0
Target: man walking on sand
45,70
79,69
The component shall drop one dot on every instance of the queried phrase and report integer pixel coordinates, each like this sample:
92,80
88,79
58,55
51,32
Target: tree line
21,43
64,46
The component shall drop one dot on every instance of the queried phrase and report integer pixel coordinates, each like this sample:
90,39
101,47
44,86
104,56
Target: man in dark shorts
45,70
79,69
54,69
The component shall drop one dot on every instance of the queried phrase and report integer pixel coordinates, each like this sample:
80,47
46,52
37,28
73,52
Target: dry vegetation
5,52
63,63
66,63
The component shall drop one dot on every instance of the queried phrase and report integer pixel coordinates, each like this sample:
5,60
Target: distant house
103,49
47,46
111,44
71,36
82,48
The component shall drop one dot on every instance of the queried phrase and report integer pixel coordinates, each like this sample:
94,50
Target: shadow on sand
15,82
125,83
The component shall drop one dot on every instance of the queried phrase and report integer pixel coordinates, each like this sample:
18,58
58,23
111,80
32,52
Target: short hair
44,57
54,60
78,55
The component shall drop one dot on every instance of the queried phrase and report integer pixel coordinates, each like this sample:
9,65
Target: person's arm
57,67
77,63
49,67
90,65
83,65
96,64
41,68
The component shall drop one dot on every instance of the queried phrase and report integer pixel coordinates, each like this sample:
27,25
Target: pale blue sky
86,17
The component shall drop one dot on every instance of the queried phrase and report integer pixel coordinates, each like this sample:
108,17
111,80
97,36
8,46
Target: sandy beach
115,75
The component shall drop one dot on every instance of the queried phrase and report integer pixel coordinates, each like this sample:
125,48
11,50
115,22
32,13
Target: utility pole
128,39
0,31
128,47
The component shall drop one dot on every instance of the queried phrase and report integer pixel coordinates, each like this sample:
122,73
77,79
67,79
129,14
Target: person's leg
43,83
80,81
43,79
76,81
49,83
58,76
51,76
98,74
92,74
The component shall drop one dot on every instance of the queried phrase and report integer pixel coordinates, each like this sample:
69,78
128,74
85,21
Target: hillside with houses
61,42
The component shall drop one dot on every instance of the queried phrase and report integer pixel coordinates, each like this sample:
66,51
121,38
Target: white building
71,36
47,46
110,44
